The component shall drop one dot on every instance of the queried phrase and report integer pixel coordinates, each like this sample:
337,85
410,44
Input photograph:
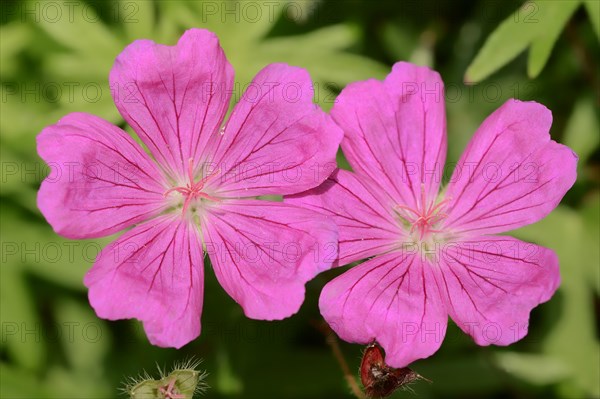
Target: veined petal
395,131
174,97
511,173
362,211
392,299
277,141
264,252
153,273
100,182
490,284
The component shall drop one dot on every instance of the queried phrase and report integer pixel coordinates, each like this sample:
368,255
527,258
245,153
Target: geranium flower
431,253
197,186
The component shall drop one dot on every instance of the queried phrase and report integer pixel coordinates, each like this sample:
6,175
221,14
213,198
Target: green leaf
40,251
399,43
82,31
14,37
80,69
536,23
84,337
23,116
227,382
22,333
21,177
593,9
534,368
581,132
19,383
449,376
573,337
591,217
513,36
322,52
556,17
137,18
63,383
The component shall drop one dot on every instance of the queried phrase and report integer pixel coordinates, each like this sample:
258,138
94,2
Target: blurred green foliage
55,58
537,25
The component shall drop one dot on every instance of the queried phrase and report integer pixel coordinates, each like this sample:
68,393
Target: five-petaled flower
432,253
195,186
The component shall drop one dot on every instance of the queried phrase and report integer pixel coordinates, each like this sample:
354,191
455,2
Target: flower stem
333,343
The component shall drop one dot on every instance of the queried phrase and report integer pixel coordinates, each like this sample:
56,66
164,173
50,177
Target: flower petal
277,141
174,97
153,273
392,299
362,211
264,252
100,182
511,173
395,131
490,285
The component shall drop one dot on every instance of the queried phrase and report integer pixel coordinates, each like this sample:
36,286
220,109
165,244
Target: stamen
191,169
194,190
425,216
438,206
208,197
168,393
181,190
206,179
423,205
406,208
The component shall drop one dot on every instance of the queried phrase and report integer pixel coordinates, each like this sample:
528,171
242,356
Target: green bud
181,383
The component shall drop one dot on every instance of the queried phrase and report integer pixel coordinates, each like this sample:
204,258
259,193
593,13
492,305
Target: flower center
193,190
170,392
424,218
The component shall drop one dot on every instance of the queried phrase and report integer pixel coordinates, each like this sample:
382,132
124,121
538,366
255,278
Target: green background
55,59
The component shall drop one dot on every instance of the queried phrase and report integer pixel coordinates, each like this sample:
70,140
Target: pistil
425,216
193,190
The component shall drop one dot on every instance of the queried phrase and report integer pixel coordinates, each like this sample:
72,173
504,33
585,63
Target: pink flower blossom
431,253
196,187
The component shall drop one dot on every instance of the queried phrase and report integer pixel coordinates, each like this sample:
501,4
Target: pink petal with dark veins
277,141
393,299
101,180
153,273
264,252
511,173
174,97
362,211
490,284
395,131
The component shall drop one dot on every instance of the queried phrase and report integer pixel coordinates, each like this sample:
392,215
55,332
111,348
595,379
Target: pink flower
194,188
432,253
